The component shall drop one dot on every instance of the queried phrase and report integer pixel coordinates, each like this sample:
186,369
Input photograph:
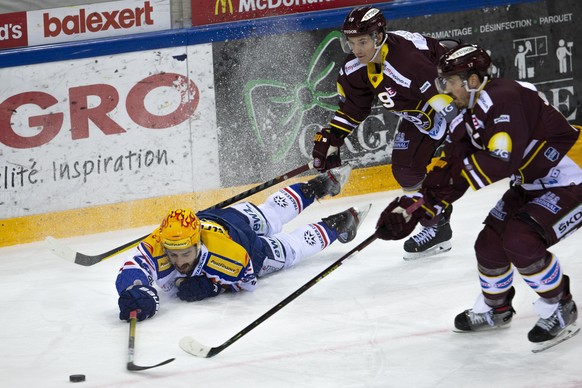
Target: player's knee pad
409,178
489,249
281,207
523,243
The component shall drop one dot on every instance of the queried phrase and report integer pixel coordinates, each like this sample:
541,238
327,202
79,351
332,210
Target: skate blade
568,333
443,247
342,174
362,213
484,330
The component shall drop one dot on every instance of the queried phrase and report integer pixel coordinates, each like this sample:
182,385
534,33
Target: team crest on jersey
286,197
548,201
309,238
498,211
400,142
500,146
281,201
419,119
391,92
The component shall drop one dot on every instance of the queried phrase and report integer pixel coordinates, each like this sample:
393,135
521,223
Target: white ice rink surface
376,321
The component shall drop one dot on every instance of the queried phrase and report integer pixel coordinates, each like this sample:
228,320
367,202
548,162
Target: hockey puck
76,378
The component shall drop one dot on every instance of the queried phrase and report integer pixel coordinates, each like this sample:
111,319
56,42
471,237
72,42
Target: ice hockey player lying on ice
505,130
197,256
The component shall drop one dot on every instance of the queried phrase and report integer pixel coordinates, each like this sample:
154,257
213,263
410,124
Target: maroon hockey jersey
403,84
513,133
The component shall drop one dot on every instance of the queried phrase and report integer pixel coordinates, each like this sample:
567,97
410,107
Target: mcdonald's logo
223,5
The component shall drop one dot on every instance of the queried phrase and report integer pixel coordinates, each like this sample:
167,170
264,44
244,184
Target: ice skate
559,326
494,318
346,223
327,183
431,240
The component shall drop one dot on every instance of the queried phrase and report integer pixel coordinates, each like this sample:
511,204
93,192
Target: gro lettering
48,125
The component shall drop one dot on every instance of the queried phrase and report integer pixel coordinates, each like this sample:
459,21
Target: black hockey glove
326,150
197,288
400,218
444,183
144,299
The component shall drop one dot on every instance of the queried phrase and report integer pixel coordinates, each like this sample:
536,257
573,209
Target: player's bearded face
455,87
184,260
363,47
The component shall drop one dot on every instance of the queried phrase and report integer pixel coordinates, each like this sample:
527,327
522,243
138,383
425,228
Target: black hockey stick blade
132,367
191,346
87,260
131,347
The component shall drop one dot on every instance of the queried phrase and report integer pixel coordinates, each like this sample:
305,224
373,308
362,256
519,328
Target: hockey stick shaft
193,347
88,260
131,347
263,186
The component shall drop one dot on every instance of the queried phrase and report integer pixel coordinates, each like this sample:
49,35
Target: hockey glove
197,288
144,299
445,183
400,218
326,150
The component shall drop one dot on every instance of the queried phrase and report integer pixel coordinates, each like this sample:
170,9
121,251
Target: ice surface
377,321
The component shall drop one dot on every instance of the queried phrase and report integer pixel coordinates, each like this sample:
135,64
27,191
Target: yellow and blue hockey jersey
229,248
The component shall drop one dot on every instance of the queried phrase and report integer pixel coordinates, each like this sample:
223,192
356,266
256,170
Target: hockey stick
263,186
131,347
190,345
87,260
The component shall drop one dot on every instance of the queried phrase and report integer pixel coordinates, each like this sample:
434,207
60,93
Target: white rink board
106,130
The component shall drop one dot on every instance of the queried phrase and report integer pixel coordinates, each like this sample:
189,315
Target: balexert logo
97,21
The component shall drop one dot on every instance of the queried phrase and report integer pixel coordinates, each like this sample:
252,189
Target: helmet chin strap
379,46
473,93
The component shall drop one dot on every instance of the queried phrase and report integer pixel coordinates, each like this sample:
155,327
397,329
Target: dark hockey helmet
364,21
465,60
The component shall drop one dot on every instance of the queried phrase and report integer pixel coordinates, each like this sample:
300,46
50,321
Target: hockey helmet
465,60
180,230
364,21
